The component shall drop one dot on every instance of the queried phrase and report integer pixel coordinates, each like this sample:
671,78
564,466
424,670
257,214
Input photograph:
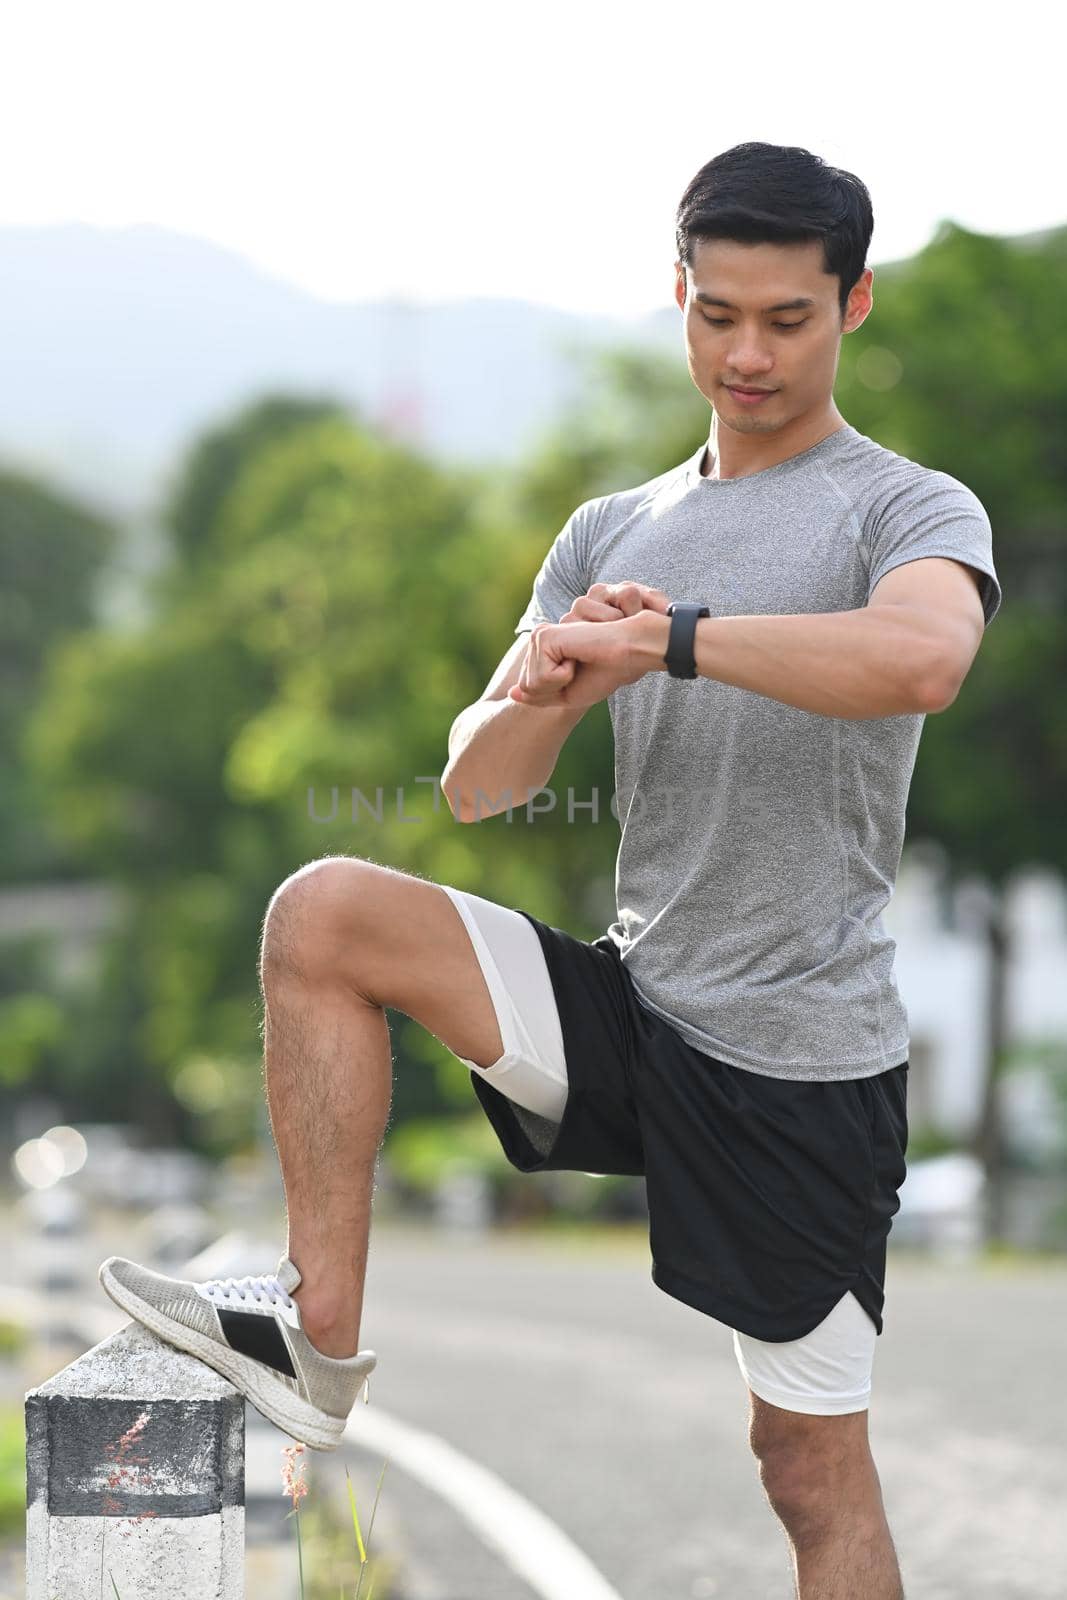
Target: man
736,1035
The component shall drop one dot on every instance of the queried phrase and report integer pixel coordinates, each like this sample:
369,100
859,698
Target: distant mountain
119,345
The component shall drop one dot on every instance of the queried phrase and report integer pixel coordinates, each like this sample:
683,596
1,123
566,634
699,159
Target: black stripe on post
128,1458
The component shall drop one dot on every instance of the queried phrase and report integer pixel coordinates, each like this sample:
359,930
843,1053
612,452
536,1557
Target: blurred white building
942,969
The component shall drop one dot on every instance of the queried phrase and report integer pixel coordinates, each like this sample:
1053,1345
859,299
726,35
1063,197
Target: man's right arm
506,750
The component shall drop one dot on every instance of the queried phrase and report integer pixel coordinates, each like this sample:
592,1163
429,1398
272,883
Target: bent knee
807,1481
313,917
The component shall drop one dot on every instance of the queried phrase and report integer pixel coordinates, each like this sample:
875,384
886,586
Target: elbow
463,811
458,803
945,676
450,790
937,694
939,684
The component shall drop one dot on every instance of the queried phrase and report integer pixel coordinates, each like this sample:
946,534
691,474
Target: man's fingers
586,610
625,597
628,597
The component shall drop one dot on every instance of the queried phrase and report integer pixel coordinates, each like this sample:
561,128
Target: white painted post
135,1477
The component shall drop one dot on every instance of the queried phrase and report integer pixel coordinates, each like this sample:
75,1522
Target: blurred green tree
331,627
53,553
193,504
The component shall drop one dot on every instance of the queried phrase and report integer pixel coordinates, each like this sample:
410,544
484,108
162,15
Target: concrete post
135,1477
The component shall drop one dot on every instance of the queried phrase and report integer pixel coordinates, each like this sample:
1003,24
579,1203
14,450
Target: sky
437,152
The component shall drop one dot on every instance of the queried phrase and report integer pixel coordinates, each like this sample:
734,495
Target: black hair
779,194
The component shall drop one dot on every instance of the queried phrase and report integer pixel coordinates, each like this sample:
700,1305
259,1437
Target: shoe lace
264,1290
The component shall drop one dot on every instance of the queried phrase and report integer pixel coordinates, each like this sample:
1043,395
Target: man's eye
720,322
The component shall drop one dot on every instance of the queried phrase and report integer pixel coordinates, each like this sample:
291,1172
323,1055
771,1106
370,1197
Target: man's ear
861,311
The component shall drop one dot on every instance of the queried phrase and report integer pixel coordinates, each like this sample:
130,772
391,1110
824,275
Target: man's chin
744,423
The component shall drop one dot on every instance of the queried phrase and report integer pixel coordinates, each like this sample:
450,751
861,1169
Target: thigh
395,939
826,1373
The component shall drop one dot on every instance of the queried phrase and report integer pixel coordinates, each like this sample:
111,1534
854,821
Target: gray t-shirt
760,843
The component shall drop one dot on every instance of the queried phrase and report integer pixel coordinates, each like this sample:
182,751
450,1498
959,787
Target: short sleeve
562,577
933,514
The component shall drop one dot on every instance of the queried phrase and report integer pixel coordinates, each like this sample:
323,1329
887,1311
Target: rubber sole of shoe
298,1418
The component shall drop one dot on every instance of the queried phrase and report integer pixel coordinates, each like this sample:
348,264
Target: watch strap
680,656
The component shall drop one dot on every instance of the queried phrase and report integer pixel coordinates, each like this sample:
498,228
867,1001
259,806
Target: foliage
423,1151
193,510
14,1338
52,554
12,1468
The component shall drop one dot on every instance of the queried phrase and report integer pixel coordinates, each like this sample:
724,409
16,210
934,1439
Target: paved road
621,1414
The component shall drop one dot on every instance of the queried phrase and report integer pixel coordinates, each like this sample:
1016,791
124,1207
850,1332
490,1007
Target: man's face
792,351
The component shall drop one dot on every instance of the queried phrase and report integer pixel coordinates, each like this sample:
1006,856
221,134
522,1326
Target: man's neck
744,455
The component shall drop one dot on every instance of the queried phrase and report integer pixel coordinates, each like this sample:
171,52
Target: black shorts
768,1198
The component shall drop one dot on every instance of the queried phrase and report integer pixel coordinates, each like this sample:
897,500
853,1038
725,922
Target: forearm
879,661
506,750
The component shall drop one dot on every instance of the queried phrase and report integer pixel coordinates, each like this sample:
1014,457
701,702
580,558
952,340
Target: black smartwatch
680,659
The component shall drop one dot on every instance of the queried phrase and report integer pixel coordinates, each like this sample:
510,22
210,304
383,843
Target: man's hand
592,651
607,602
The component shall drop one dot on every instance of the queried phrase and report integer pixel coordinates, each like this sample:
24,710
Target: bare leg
342,940
839,1536
328,1067
822,1483
852,1556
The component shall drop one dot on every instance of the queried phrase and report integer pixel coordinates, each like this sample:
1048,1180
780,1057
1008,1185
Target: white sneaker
249,1330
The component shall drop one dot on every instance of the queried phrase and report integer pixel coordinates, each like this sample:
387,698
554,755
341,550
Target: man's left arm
908,650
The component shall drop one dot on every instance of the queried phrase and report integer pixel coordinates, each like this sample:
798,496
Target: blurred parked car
941,1203
175,1233
59,1212
122,1172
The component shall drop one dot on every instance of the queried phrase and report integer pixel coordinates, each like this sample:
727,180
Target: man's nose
750,360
